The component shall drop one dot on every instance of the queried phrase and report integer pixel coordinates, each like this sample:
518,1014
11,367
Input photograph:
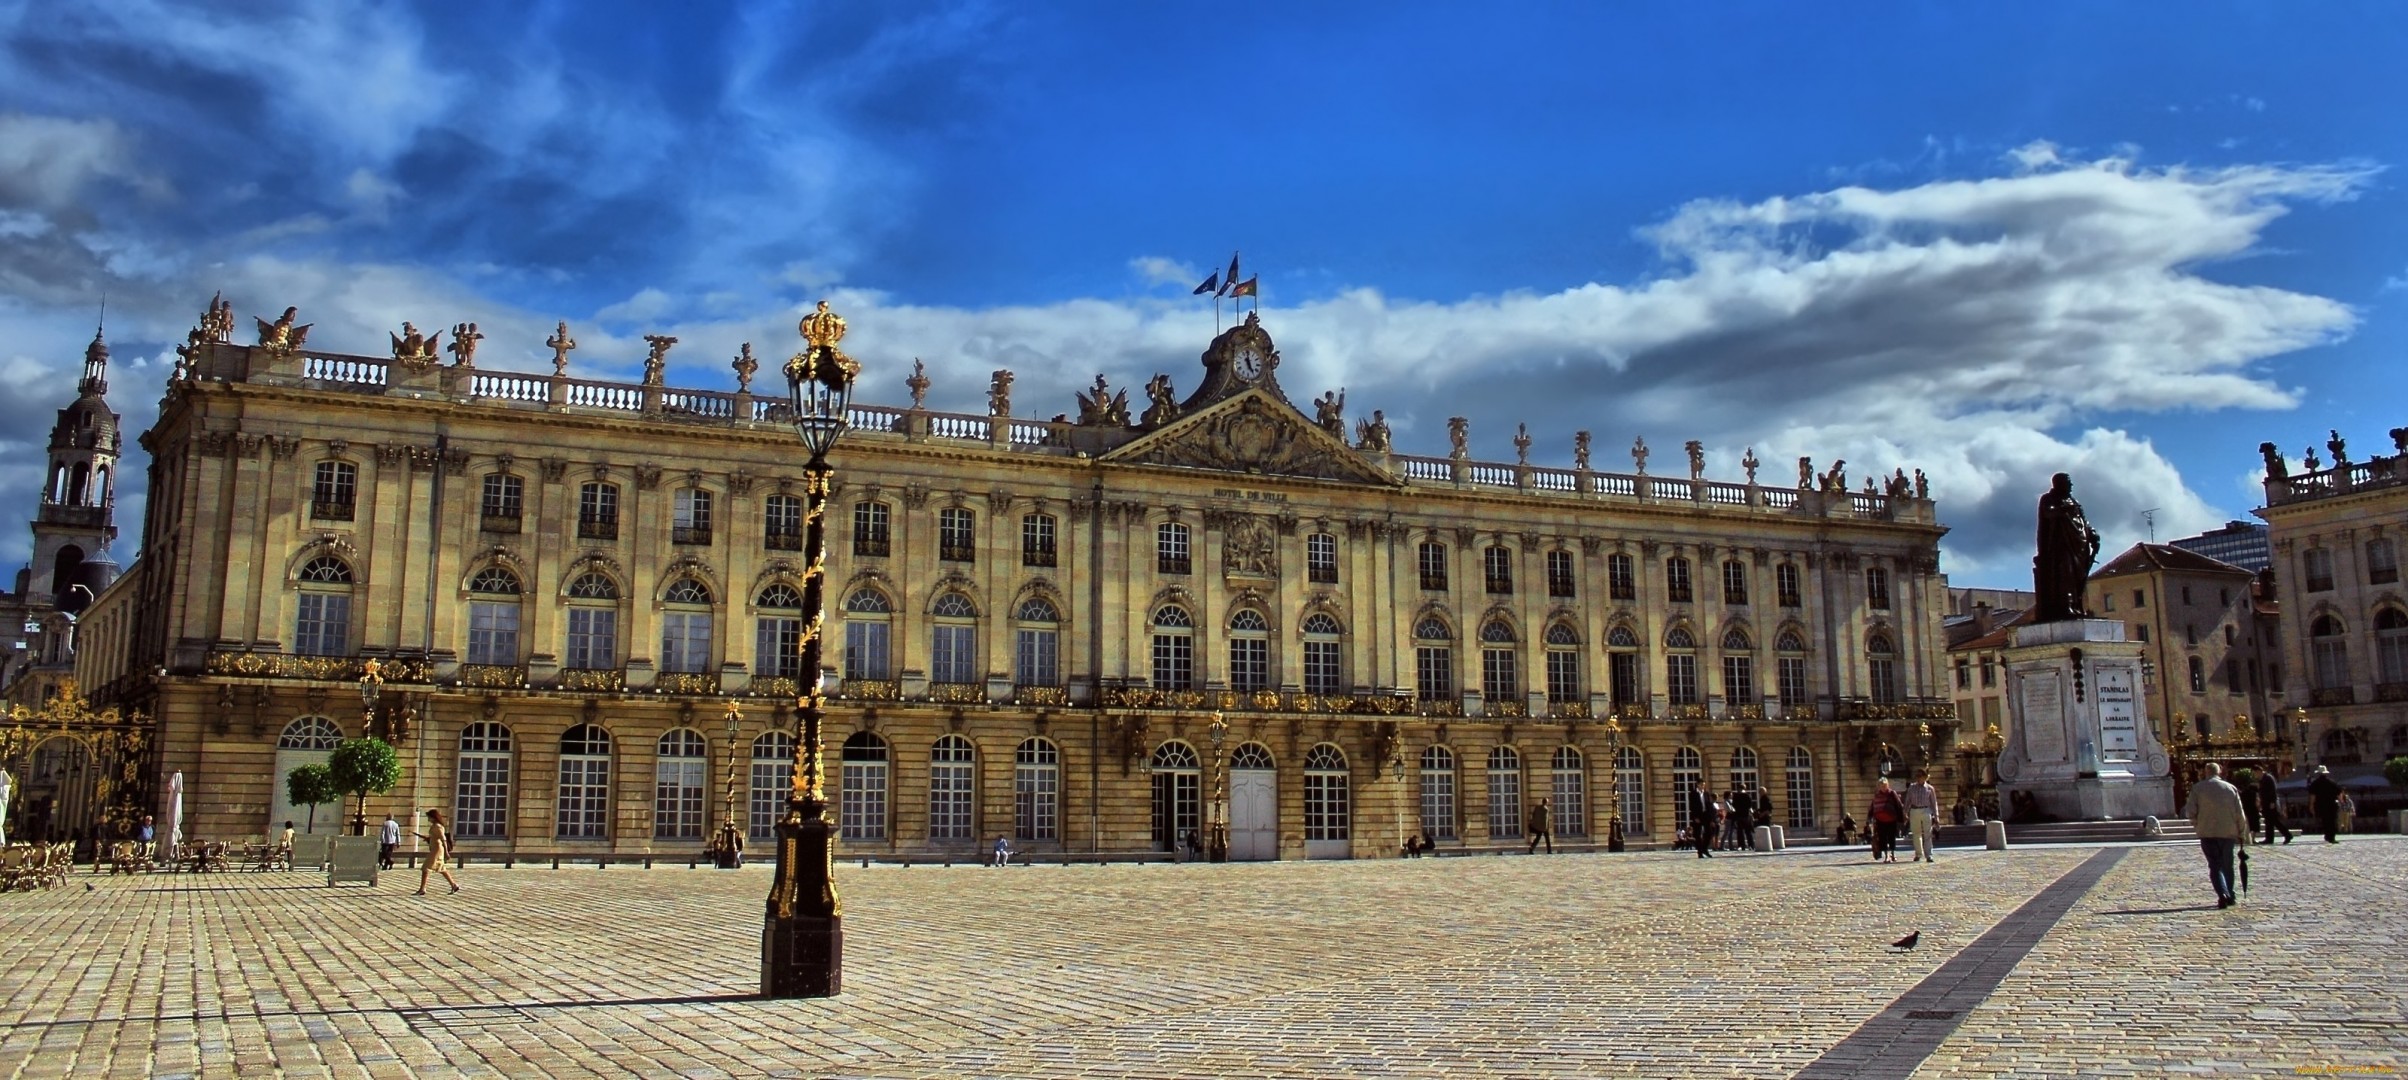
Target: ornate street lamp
372,683
802,933
1613,822
2307,745
1396,770
1216,844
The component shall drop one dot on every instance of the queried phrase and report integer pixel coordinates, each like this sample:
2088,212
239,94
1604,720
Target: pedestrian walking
2347,811
2215,812
1887,813
2324,797
438,852
1701,819
1922,814
2244,780
2270,806
1540,832
284,846
387,839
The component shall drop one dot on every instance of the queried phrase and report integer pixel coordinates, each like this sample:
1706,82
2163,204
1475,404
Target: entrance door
309,740
1253,815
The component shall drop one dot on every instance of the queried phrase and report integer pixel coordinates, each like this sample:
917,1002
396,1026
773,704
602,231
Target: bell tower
77,520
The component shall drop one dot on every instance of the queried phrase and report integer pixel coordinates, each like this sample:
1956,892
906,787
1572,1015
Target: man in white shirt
1922,813
2223,829
386,841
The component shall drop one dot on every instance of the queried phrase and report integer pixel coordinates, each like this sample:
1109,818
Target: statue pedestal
2076,741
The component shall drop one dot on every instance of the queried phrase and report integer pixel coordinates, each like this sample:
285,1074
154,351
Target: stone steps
2068,832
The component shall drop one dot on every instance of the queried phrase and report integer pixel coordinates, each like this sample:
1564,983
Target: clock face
1248,364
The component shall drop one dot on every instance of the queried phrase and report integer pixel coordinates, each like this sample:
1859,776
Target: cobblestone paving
1570,966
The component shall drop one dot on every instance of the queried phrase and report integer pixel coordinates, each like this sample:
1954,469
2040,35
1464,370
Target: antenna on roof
2150,516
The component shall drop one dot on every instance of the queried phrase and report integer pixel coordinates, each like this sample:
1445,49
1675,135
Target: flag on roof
1243,288
1229,280
1211,284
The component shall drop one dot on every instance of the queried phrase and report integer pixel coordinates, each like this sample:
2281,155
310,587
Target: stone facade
2337,533
2214,648
1030,624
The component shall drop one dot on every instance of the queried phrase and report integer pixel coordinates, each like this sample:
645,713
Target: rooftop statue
656,359
1329,410
282,336
999,393
1372,434
560,343
2067,547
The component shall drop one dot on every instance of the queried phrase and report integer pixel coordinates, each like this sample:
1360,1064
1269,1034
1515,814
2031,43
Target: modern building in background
2241,543
2336,532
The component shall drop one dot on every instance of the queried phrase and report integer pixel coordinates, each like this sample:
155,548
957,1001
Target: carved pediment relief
1253,433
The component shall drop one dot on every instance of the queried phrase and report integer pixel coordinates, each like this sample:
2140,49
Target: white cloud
374,194
45,161
1156,270
647,304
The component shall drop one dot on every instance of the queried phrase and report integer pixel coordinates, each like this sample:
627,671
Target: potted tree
360,768
308,786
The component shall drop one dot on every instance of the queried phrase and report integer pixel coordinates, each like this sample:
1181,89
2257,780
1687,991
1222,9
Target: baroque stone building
2215,651
1032,624
2336,532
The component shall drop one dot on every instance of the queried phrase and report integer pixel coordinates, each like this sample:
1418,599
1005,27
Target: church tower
77,521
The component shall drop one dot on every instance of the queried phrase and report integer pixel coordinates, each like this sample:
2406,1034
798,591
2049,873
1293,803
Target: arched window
2391,650
310,733
951,787
1500,668
677,785
1738,668
1249,651
1676,580
493,608
686,626
322,622
2328,653
1568,792
481,797
1321,653
1178,779
861,792
953,640
1881,669
1680,667
1252,756
1328,809
868,622
1437,776
1743,770
1504,793
1799,779
1037,791
584,805
1037,644
1174,649
1434,659
1623,667
1563,665
593,609
1790,662
778,632
1688,767
772,777
1630,785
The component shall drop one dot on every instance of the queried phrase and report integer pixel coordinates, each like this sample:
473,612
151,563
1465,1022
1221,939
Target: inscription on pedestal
2119,733
2041,697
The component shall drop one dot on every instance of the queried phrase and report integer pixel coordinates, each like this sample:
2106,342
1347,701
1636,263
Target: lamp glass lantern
820,391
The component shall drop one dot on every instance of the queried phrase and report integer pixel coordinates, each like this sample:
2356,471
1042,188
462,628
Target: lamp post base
802,933
1613,836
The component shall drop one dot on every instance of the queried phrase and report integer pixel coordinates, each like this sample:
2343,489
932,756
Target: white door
330,815
1253,815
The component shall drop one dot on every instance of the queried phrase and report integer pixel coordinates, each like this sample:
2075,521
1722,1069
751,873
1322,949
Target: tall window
1738,668
1432,559
1563,665
1037,791
1037,659
1321,559
1321,637
2198,676
1328,810
1437,776
2328,653
691,517
1743,769
872,536
1798,779
677,786
778,632
1037,540
1680,667
1622,666
1676,580
584,805
593,616
504,500
598,511
950,788
953,634
1434,659
686,626
1989,671
2382,562
1734,582
1881,669
772,780
1630,786
861,787
1688,767
493,617
1560,577
1171,548
1877,588
1497,569
1785,582
2391,647
869,619
782,523
481,796
1249,651
333,490
1500,668
322,624
1504,793
1568,792
956,535
2319,563
1174,649
1621,577
1178,782
1790,660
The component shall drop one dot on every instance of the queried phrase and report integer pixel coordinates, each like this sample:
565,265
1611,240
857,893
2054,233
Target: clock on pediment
1241,359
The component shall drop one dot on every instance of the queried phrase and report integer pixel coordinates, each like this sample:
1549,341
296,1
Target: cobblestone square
1654,964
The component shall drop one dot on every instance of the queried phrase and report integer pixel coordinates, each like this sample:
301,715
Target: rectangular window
1432,557
1039,659
584,804
2232,676
1036,800
1498,564
1438,803
1877,588
1989,671
1785,579
1321,667
954,654
956,530
334,490
1037,540
481,802
772,779
324,625
492,633
1680,678
1883,673
1624,669
1738,679
861,813
1500,674
1571,801
504,500
2382,562
1734,582
1791,671
2140,599
598,512
778,647
1676,580
1321,559
870,535
1563,676
677,799
949,789
1560,575
691,522
1249,664
1621,577
1171,548
865,651
593,638
1174,662
686,641
1434,670
1504,803
1964,673
782,523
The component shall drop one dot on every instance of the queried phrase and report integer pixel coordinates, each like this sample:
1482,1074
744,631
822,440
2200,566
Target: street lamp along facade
802,933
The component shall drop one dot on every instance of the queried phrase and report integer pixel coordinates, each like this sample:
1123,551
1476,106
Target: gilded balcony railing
1568,710
491,676
260,665
686,682
870,690
946,693
1055,696
609,680
777,686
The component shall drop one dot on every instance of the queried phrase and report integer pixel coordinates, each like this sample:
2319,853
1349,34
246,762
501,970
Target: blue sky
2127,241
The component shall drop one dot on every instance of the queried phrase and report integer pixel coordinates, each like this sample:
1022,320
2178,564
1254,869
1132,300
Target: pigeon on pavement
1907,942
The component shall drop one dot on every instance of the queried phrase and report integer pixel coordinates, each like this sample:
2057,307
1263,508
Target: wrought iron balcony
1037,556
330,510
603,679
1433,582
960,553
597,528
783,540
1568,710
1172,565
1500,586
1041,695
498,523
491,676
686,682
1322,575
2333,695
946,693
870,546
